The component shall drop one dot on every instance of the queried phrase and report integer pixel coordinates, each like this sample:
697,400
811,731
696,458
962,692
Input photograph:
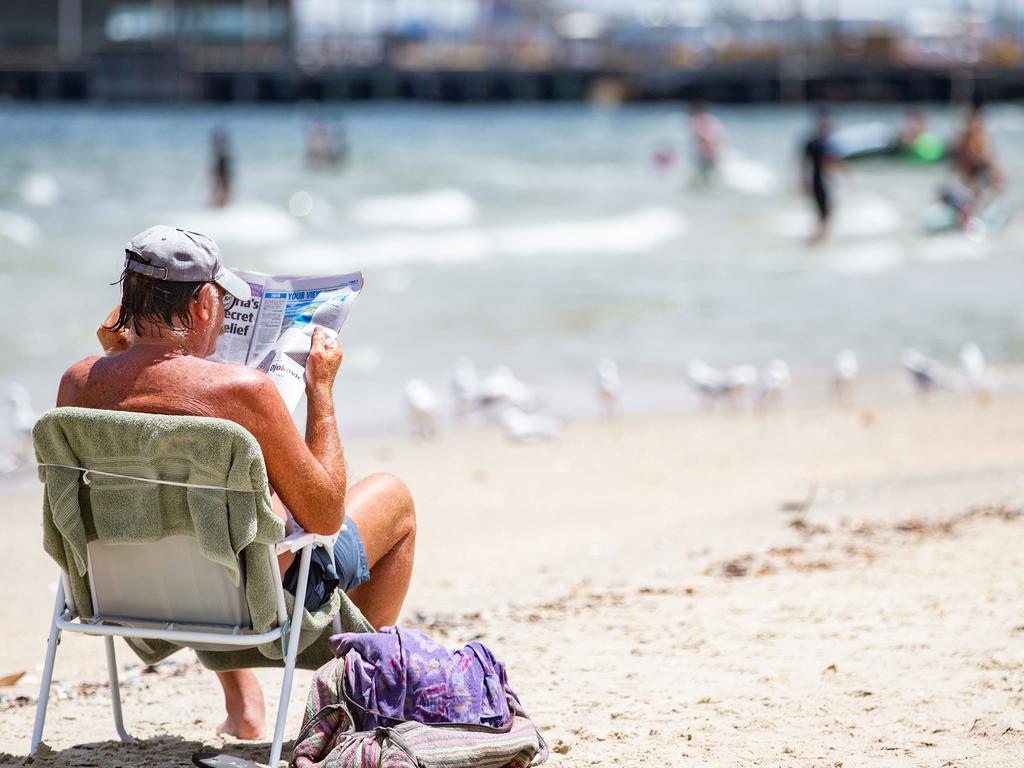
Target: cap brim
233,284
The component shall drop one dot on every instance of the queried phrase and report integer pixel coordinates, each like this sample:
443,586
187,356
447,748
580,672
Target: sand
808,587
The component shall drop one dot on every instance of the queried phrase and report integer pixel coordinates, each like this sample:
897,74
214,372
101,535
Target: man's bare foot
242,728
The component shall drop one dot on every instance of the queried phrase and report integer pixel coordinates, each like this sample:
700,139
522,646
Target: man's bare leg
243,700
383,511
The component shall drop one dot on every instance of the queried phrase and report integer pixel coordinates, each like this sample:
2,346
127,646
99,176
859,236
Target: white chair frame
67,619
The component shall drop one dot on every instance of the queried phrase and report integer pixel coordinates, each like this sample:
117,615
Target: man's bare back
150,378
175,384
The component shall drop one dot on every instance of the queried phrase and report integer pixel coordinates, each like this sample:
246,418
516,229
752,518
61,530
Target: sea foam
19,229
433,209
247,223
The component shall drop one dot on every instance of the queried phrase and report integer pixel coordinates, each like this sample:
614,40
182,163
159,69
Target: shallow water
540,237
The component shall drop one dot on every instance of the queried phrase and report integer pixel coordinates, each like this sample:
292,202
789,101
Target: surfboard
876,140
865,140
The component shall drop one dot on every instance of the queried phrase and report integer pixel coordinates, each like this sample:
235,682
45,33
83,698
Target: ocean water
538,237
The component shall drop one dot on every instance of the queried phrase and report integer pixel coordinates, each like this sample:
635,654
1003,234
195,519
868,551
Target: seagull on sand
975,369
706,380
609,386
503,388
926,373
423,408
773,382
845,370
713,383
465,386
528,427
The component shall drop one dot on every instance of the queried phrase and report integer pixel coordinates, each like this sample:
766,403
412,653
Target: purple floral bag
396,698
402,674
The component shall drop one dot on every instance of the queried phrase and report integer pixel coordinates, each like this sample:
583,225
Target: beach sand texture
826,587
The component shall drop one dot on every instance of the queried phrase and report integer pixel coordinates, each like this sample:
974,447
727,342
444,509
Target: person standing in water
978,175
972,154
817,164
707,132
220,170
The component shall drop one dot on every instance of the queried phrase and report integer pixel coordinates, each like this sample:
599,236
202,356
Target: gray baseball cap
179,256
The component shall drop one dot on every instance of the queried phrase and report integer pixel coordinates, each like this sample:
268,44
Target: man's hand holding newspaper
322,364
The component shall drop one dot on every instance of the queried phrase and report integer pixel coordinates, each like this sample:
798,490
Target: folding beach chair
168,590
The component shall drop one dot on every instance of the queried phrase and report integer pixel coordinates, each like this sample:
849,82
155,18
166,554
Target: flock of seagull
504,399
500,397
929,374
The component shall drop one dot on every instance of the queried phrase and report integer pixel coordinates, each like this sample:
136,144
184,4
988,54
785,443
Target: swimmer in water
323,148
706,132
664,158
220,171
818,163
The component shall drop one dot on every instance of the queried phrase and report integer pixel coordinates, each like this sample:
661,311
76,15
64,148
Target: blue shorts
349,570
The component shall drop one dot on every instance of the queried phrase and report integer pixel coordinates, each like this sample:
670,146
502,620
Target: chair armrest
301,539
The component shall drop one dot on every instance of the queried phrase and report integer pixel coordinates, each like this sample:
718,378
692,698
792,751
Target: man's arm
321,428
309,475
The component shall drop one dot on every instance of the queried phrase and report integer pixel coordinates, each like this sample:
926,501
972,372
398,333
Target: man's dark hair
146,300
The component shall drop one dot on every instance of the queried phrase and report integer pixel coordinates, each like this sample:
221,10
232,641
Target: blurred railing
738,60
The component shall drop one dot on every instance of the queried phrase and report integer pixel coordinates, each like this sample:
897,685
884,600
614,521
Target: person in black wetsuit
817,163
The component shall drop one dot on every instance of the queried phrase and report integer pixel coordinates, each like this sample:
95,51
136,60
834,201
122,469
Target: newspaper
273,330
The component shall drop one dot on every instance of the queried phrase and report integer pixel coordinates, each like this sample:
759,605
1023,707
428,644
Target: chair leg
290,657
44,685
115,691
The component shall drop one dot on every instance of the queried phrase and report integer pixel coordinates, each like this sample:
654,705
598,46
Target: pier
512,50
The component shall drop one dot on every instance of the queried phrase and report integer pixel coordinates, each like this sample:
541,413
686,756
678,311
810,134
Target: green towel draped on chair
231,526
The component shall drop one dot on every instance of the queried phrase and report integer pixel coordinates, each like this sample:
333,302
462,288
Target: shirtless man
174,292
706,131
979,179
973,156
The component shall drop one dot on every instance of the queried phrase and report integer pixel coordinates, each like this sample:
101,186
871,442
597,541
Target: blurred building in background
156,50
468,50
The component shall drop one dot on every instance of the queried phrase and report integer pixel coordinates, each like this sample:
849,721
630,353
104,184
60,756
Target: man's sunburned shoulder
77,373
83,366
248,396
228,381
243,381
208,380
